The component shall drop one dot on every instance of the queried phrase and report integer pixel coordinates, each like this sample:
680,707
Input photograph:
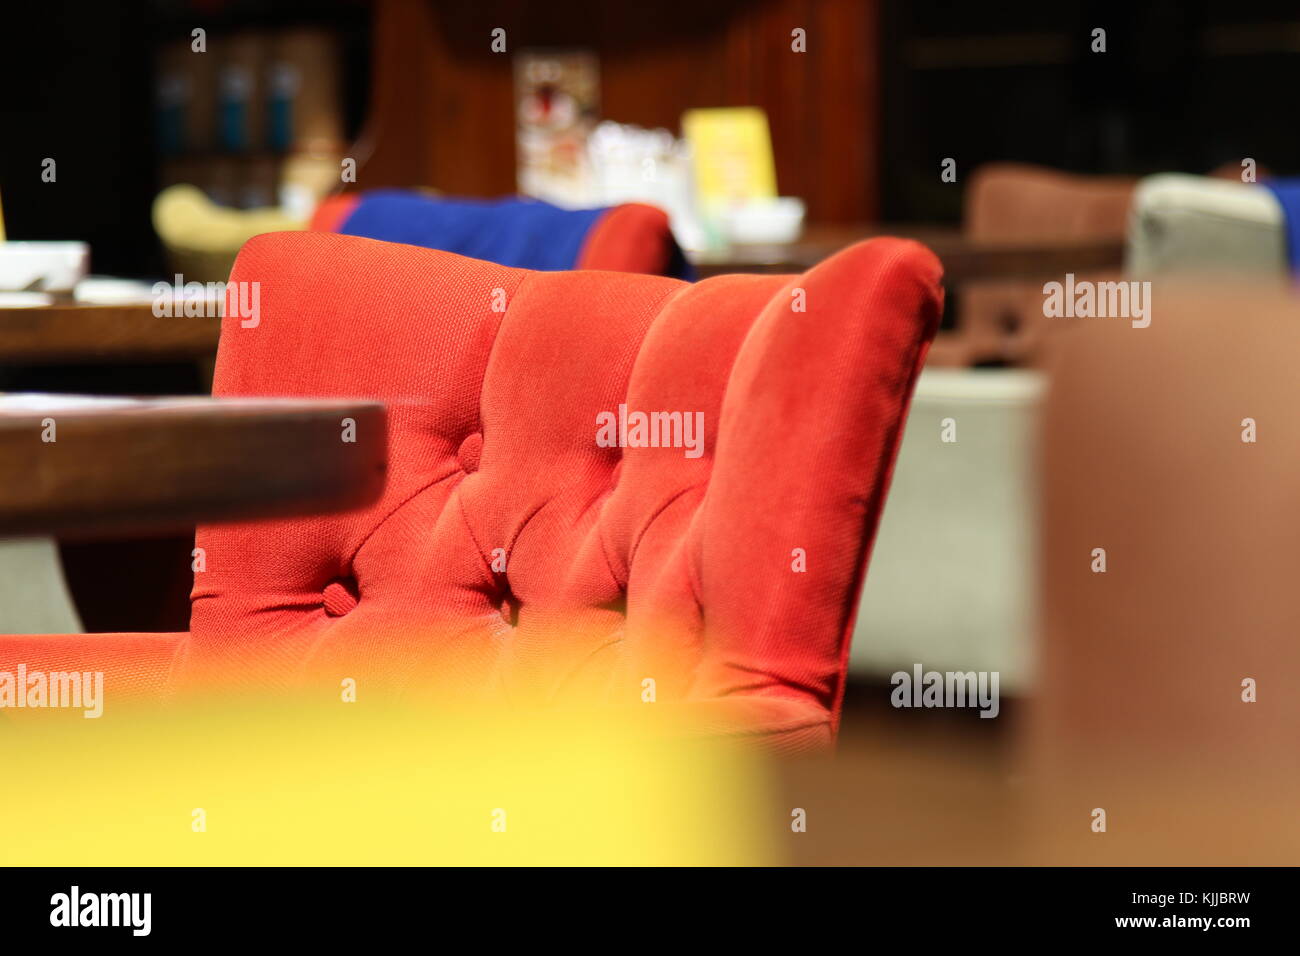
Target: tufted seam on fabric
510,545
697,584
603,539
614,576
479,429
510,301
396,508
780,728
179,659
694,544
811,716
524,283
478,545
654,515
769,683
665,303
577,667
469,525
761,732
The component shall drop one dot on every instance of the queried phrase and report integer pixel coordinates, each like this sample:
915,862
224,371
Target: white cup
42,266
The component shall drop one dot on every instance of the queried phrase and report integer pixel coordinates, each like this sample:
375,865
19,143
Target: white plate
24,300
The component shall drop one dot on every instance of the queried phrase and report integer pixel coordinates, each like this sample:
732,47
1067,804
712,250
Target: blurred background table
964,259
69,332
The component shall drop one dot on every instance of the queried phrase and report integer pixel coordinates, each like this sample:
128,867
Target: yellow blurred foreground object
351,784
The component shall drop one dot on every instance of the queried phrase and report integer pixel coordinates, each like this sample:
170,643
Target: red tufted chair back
515,556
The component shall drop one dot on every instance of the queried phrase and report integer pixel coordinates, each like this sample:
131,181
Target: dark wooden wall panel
443,112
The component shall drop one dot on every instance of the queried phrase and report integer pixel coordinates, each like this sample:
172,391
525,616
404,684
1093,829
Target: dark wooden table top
148,465
964,259
68,332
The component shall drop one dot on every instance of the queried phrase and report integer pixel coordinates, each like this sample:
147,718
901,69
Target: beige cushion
952,576
1181,223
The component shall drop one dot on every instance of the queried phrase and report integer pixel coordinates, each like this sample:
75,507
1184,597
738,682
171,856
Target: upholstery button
340,597
470,450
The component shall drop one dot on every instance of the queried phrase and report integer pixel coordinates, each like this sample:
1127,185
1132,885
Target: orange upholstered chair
594,479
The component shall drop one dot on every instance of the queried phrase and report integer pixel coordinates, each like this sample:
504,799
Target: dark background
1183,86
79,87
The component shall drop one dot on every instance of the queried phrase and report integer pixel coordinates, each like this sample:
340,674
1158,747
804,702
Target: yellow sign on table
732,149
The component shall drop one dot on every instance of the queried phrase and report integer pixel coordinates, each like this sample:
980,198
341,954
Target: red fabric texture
135,666
511,556
632,237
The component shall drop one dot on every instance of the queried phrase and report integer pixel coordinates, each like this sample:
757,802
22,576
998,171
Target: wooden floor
907,787
944,787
